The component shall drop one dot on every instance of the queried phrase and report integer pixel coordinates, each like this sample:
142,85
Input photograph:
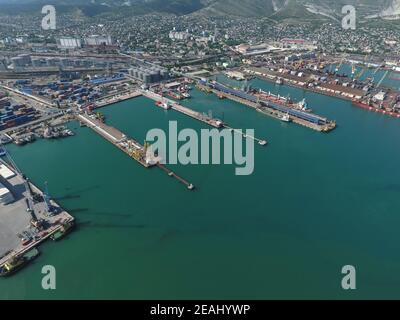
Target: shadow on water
90,224
88,212
75,194
392,187
168,236
67,197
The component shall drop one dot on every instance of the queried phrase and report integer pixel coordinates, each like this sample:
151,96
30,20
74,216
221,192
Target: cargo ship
268,110
17,263
366,106
272,108
287,102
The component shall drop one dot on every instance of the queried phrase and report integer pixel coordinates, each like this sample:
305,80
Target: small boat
2,152
26,241
221,96
279,81
285,118
17,263
302,105
20,142
262,142
63,231
163,105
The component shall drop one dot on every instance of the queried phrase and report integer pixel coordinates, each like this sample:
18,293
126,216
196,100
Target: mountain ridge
275,9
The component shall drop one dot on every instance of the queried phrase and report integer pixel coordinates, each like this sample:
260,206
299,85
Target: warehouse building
96,40
149,74
6,196
69,43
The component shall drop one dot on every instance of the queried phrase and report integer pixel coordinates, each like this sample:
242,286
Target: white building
6,173
96,40
69,43
6,196
174,35
380,96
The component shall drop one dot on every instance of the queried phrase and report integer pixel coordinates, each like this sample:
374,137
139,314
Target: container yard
66,93
15,115
365,94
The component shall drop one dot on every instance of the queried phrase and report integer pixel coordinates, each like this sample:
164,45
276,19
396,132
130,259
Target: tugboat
20,142
285,118
164,105
186,95
303,106
16,263
66,227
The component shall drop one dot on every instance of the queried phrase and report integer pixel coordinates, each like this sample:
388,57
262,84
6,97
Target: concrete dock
254,105
17,223
184,110
129,146
197,115
105,101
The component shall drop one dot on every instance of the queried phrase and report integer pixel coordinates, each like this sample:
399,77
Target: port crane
340,65
376,70
358,75
383,78
46,198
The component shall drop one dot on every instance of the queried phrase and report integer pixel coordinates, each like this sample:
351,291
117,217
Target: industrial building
6,173
301,56
69,43
3,65
6,196
174,35
149,74
21,61
96,40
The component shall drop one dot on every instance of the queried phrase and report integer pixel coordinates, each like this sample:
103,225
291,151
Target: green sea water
315,203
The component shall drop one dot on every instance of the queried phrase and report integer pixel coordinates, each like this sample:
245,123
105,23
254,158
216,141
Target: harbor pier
167,103
27,220
270,108
170,104
129,146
